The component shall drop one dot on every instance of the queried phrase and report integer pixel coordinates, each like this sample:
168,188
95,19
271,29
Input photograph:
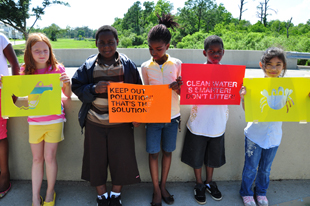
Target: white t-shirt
4,41
208,120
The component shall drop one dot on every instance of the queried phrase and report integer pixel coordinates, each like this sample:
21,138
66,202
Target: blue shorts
164,133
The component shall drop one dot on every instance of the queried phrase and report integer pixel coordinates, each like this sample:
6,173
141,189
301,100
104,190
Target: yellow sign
277,99
43,92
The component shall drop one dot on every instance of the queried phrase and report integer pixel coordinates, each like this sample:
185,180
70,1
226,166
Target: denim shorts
162,134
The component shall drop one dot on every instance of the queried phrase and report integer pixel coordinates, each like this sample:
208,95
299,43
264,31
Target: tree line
197,20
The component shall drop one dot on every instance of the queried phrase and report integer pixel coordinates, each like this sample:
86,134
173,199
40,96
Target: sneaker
214,191
248,201
102,202
262,200
200,193
115,201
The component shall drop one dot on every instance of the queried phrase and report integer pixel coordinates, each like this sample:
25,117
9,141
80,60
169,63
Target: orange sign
139,103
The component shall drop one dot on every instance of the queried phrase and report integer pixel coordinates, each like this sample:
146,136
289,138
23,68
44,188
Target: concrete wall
76,57
291,161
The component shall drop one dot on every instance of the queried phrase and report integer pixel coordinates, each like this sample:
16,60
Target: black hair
272,52
212,40
107,28
160,32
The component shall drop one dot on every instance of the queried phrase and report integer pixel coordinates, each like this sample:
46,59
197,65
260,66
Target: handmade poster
211,84
42,91
139,103
277,99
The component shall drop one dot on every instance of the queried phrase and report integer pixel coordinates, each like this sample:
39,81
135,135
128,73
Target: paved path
17,42
280,193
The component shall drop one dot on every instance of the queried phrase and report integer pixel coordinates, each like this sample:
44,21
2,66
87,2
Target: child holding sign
262,139
204,140
45,132
162,69
106,144
6,53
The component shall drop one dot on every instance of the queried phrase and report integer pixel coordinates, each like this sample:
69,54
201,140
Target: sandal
52,203
168,200
2,194
155,204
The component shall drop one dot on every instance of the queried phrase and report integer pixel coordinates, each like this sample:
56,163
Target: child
106,144
261,140
45,132
204,140
6,53
162,69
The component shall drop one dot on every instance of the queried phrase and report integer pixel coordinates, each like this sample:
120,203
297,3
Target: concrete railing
291,161
76,57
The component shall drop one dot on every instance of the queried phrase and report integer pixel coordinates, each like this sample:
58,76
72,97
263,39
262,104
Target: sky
95,13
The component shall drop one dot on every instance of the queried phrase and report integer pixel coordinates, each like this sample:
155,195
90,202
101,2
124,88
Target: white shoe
248,201
262,200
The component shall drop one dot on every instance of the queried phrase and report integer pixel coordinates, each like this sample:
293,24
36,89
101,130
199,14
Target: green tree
194,13
148,15
15,13
131,18
163,6
52,31
118,24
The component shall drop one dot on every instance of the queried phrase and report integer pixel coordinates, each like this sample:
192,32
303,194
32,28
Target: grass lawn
59,44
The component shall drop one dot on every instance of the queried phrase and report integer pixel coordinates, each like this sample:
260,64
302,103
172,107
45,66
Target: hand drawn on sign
277,100
36,94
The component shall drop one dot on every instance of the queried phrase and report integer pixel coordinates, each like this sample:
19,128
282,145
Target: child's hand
176,85
64,78
101,87
242,92
136,124
14,98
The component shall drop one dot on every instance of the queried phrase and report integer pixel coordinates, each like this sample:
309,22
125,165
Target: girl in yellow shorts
44,131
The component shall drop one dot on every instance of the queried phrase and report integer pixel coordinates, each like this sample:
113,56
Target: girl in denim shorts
162,69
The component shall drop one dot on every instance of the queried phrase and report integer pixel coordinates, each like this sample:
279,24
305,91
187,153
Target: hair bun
167,20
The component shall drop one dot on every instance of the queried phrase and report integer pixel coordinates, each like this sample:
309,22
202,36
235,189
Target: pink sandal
2,194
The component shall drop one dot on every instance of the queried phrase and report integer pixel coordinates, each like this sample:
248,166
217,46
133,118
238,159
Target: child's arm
145,76
11,57
176,85
242,93
82,87
66,88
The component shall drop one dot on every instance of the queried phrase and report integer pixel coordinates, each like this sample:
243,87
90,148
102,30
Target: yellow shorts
51,133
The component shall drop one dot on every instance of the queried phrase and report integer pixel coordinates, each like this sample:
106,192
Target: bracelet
242,100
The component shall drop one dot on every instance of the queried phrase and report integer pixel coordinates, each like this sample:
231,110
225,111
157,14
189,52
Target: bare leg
37,171
166,162
198,175
153,164
101,189
50,150
116,188
4,165
209,171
